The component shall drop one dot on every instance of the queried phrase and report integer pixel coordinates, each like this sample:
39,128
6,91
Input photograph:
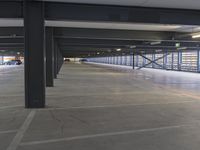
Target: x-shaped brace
152,61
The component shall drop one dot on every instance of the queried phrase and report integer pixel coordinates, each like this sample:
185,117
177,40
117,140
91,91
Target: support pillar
143,61
34,54
55,59
137,60
198,61
2,60
165,60
179,60
172,65
153,58
49,57
133,60
125,60
60,61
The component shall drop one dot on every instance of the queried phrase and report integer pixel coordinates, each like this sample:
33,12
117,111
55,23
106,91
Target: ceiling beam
119,43
111,34
139,48
105,13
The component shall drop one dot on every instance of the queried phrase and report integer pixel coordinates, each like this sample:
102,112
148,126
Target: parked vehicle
83,60
67,60
13,62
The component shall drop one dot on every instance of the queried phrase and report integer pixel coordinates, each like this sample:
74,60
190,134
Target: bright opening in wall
196,36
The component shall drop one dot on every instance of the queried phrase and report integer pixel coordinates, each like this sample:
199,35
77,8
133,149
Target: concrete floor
96,107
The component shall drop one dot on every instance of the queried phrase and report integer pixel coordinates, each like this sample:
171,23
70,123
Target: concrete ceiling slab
182,4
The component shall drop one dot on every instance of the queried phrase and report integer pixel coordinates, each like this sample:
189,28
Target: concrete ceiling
106,25
182,4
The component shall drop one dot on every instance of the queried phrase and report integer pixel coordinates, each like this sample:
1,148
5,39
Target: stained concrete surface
95,107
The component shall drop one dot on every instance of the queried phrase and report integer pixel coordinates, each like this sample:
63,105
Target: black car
83,60
13,62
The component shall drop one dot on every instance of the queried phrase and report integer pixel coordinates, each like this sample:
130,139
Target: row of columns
43,58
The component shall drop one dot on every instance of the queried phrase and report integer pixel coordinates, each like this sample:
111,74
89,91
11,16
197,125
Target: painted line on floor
8,131
182,93
8,107
18,137
53,95
100,135
191,96
113,106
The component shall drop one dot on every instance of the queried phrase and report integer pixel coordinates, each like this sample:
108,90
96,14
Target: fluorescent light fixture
155,43
119,49
159,50
196,36
132,46
182,48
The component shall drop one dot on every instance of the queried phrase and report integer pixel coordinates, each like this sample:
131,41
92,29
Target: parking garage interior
113,75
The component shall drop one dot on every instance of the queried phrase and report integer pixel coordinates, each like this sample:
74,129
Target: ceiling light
155,43
196,36
178,44
119,49
182,48
159,50
132,46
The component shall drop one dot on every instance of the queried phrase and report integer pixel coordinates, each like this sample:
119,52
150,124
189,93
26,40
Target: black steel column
179,60
49,57
198,61
153,59
60,61
172,65
137,59
133,61
55,59
58,58
34,54
165,60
